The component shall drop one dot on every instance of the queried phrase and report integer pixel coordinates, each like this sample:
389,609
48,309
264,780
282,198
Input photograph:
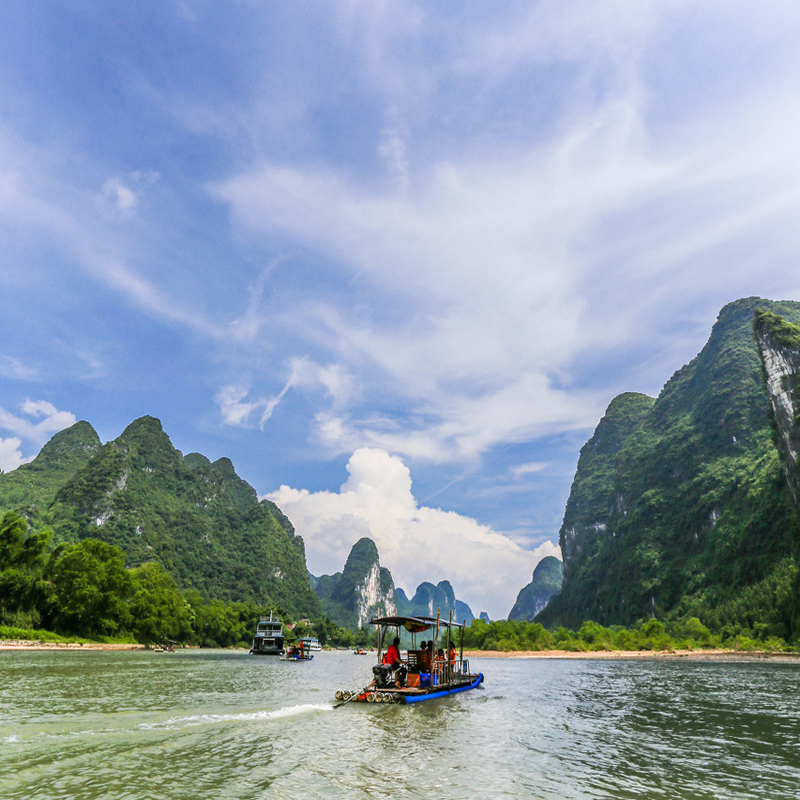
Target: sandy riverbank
23,644
605,655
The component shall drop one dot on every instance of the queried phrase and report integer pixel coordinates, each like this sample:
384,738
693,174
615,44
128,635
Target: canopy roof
415,624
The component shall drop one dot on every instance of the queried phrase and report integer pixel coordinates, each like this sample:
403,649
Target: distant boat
296,653
311,644
360,651
268,640
423,676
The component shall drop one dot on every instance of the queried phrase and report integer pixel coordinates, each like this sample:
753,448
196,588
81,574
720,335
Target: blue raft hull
419,698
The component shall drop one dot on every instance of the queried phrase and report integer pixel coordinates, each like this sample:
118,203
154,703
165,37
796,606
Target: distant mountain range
202,523
197,519
429,600
686,504
365,589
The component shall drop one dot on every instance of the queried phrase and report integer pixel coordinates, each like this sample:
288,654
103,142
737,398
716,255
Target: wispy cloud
11,367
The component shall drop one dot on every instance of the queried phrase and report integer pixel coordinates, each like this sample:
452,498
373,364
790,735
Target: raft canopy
415,624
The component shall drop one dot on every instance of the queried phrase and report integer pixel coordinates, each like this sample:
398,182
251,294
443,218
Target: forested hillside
197,520
545,584
680,506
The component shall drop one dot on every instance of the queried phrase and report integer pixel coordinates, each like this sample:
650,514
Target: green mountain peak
679,507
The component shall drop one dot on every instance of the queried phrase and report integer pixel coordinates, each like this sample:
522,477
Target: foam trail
204,719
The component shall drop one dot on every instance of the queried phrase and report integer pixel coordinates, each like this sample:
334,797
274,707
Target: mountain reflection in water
213,724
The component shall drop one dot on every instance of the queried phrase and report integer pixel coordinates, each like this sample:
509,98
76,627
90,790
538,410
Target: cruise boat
311,644
423,675
268,640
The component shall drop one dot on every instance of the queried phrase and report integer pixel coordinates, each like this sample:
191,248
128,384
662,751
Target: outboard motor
383,675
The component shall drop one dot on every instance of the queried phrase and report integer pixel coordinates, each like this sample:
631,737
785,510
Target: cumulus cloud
417,543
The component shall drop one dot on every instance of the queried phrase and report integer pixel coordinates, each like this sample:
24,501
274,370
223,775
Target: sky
392,259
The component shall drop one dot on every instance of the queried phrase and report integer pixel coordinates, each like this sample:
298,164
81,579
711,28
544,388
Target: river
220,724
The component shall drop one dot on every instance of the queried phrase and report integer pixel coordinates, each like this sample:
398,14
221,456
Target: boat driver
392,658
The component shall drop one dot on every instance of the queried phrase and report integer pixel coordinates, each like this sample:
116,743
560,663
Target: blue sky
393,259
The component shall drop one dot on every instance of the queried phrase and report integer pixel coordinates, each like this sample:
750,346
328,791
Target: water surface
221,724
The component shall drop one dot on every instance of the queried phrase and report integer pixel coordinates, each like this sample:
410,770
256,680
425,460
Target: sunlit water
211,724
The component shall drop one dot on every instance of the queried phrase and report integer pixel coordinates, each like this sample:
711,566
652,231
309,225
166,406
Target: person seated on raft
424,658
392,658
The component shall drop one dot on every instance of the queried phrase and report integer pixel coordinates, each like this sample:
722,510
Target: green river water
221,724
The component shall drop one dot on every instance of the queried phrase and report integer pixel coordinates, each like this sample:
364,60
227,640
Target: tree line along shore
83,594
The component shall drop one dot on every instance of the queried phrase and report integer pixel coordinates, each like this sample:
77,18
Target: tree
157,609
22,588
92,588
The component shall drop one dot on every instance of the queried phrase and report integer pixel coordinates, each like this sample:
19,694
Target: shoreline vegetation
703,654
83,595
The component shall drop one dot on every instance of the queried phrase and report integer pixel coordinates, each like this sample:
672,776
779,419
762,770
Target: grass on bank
13,634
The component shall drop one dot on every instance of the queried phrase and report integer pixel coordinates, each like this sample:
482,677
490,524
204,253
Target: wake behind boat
425,674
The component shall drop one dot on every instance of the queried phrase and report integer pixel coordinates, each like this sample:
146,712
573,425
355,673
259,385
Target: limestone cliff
779,345
362,590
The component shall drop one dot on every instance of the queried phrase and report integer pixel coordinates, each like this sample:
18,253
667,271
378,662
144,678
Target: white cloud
121,198
531,468
37,422
417,543
11,455
496,272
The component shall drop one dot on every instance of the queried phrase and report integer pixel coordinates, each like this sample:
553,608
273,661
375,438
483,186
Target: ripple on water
200,724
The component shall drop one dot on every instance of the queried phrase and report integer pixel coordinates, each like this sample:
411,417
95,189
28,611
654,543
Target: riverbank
695,655
25,644
699,655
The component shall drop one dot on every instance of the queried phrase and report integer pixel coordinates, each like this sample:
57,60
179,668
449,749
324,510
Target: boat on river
311,644
423,675
268,640
297,652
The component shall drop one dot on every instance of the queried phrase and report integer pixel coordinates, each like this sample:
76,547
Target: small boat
423,676
296,653
360,651
268,640
311,644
